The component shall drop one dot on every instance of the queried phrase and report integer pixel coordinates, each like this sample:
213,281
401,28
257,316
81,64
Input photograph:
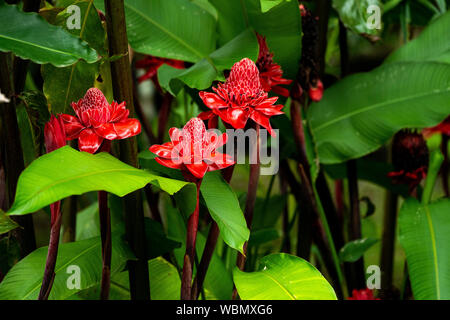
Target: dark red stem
189,256
49,271
105,235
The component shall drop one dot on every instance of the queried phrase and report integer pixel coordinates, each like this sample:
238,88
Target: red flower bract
152,65
193,150
363,294
270,73
54,134
241,97
97,120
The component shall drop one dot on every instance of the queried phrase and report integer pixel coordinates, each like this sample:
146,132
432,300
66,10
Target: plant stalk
123,91
189,256
49,271
105,235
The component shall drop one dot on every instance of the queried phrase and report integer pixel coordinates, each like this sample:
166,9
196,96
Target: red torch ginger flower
241,97
363,294
152,65
193,150
97,120
270,73
54,134
410,158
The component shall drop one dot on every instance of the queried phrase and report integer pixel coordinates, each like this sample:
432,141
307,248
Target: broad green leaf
6,223
361,112
224,208
354,14
164,284
433,44
176,29
88,225
65,85
157,241
203,73
24,280
260,236
266,5
218,281
355,249
283,276
281,26
65,172
424,235
27,36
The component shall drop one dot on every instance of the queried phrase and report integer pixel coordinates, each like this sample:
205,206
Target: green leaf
423,234
27,36
24,280
266,5
176,29
158,243
224,208
203,73
164,281
433,44
65,85
361,112
260,236
283,277
354,15
6,223
218,281
281,26
65,172
355,249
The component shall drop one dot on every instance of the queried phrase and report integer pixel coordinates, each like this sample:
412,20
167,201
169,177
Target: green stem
436,160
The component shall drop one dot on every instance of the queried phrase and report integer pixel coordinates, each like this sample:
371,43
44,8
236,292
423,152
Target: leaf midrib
279,284
371,107
433,245
96,244
77,177
169,33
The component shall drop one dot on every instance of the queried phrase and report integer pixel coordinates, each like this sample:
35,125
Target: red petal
89,141
197,169
237,117
270,111
127,128
168,163
206,115
212,100
165,150
118,112
281,91
106,130
72,126
263,120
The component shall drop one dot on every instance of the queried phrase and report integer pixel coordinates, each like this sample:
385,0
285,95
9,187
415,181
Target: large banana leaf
433,44
283,276
175,29
24,280
29,36
203,73
65,172
360,113
424,234
354,14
